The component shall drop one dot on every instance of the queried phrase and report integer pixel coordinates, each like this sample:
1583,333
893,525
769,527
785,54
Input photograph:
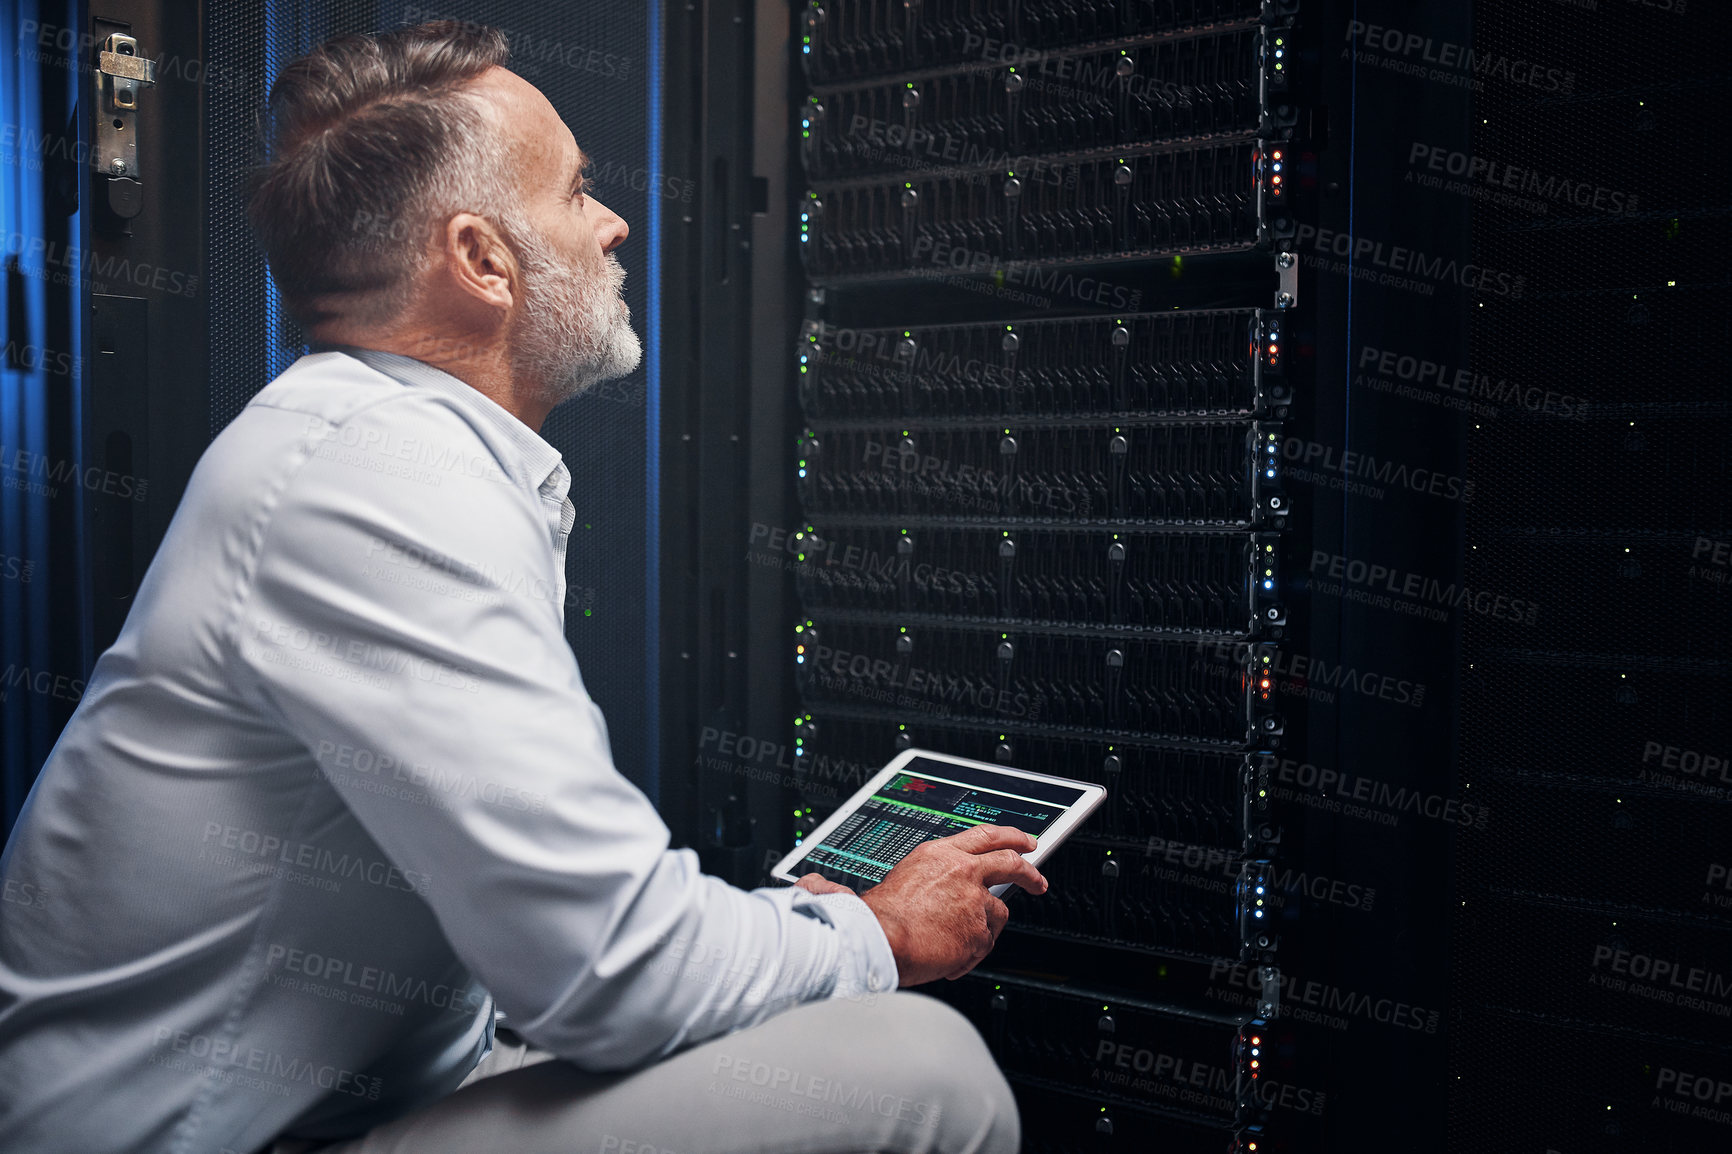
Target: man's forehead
529,119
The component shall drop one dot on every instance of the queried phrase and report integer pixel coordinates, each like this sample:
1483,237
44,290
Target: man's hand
818,884
934,905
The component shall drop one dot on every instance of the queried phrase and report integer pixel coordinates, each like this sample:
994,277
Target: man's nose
611,228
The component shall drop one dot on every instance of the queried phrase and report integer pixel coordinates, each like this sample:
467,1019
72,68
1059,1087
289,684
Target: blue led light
1257,913
1267,585
1269,473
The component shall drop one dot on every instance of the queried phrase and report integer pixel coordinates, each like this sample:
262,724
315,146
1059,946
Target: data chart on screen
927,800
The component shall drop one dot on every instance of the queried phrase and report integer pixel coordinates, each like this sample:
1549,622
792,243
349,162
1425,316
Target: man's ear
479,261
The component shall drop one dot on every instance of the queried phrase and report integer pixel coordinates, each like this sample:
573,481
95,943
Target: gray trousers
898,1073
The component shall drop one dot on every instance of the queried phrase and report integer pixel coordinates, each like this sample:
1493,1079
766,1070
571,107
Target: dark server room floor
1306,420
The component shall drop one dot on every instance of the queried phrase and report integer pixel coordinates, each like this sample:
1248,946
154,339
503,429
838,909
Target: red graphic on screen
914,783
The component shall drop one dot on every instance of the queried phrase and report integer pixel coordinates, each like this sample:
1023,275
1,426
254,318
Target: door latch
121,72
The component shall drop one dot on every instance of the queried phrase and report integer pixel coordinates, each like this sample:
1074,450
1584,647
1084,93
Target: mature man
337,790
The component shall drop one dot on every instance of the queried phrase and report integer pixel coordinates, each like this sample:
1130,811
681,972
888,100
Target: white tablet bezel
1074,814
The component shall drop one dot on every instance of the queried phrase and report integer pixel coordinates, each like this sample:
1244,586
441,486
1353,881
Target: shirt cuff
865,965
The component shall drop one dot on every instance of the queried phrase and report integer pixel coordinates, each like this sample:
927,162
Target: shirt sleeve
405,613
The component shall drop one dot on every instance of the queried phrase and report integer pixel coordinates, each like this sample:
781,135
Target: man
337,790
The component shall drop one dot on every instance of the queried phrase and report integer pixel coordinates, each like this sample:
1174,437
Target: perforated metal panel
593,62
1592,980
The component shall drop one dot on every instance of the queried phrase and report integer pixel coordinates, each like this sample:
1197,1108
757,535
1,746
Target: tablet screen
929,799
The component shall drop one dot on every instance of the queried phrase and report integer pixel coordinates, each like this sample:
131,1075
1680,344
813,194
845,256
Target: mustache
613,271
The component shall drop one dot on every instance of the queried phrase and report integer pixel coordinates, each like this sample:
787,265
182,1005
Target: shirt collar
539,464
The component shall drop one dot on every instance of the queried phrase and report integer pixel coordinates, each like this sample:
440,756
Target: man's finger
818,884
986,838
997,916
1006,865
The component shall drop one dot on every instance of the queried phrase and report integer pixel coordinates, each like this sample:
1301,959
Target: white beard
575,329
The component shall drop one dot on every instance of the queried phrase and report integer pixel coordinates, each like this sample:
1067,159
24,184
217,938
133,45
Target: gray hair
374,143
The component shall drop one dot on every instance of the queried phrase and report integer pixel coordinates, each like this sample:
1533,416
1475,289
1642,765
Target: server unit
1043,505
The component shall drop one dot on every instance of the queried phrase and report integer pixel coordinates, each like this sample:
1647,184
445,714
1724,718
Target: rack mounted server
1055,542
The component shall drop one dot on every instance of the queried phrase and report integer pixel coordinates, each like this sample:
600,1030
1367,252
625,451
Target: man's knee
951,1078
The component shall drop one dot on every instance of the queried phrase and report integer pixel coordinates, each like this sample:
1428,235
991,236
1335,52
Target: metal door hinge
121,71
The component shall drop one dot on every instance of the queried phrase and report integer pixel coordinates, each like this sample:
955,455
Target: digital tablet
923,795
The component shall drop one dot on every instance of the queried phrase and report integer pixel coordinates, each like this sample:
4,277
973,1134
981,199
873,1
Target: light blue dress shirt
337,787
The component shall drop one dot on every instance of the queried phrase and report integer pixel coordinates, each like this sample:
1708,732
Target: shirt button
874,983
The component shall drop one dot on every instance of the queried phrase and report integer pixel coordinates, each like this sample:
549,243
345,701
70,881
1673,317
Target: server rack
1043,506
